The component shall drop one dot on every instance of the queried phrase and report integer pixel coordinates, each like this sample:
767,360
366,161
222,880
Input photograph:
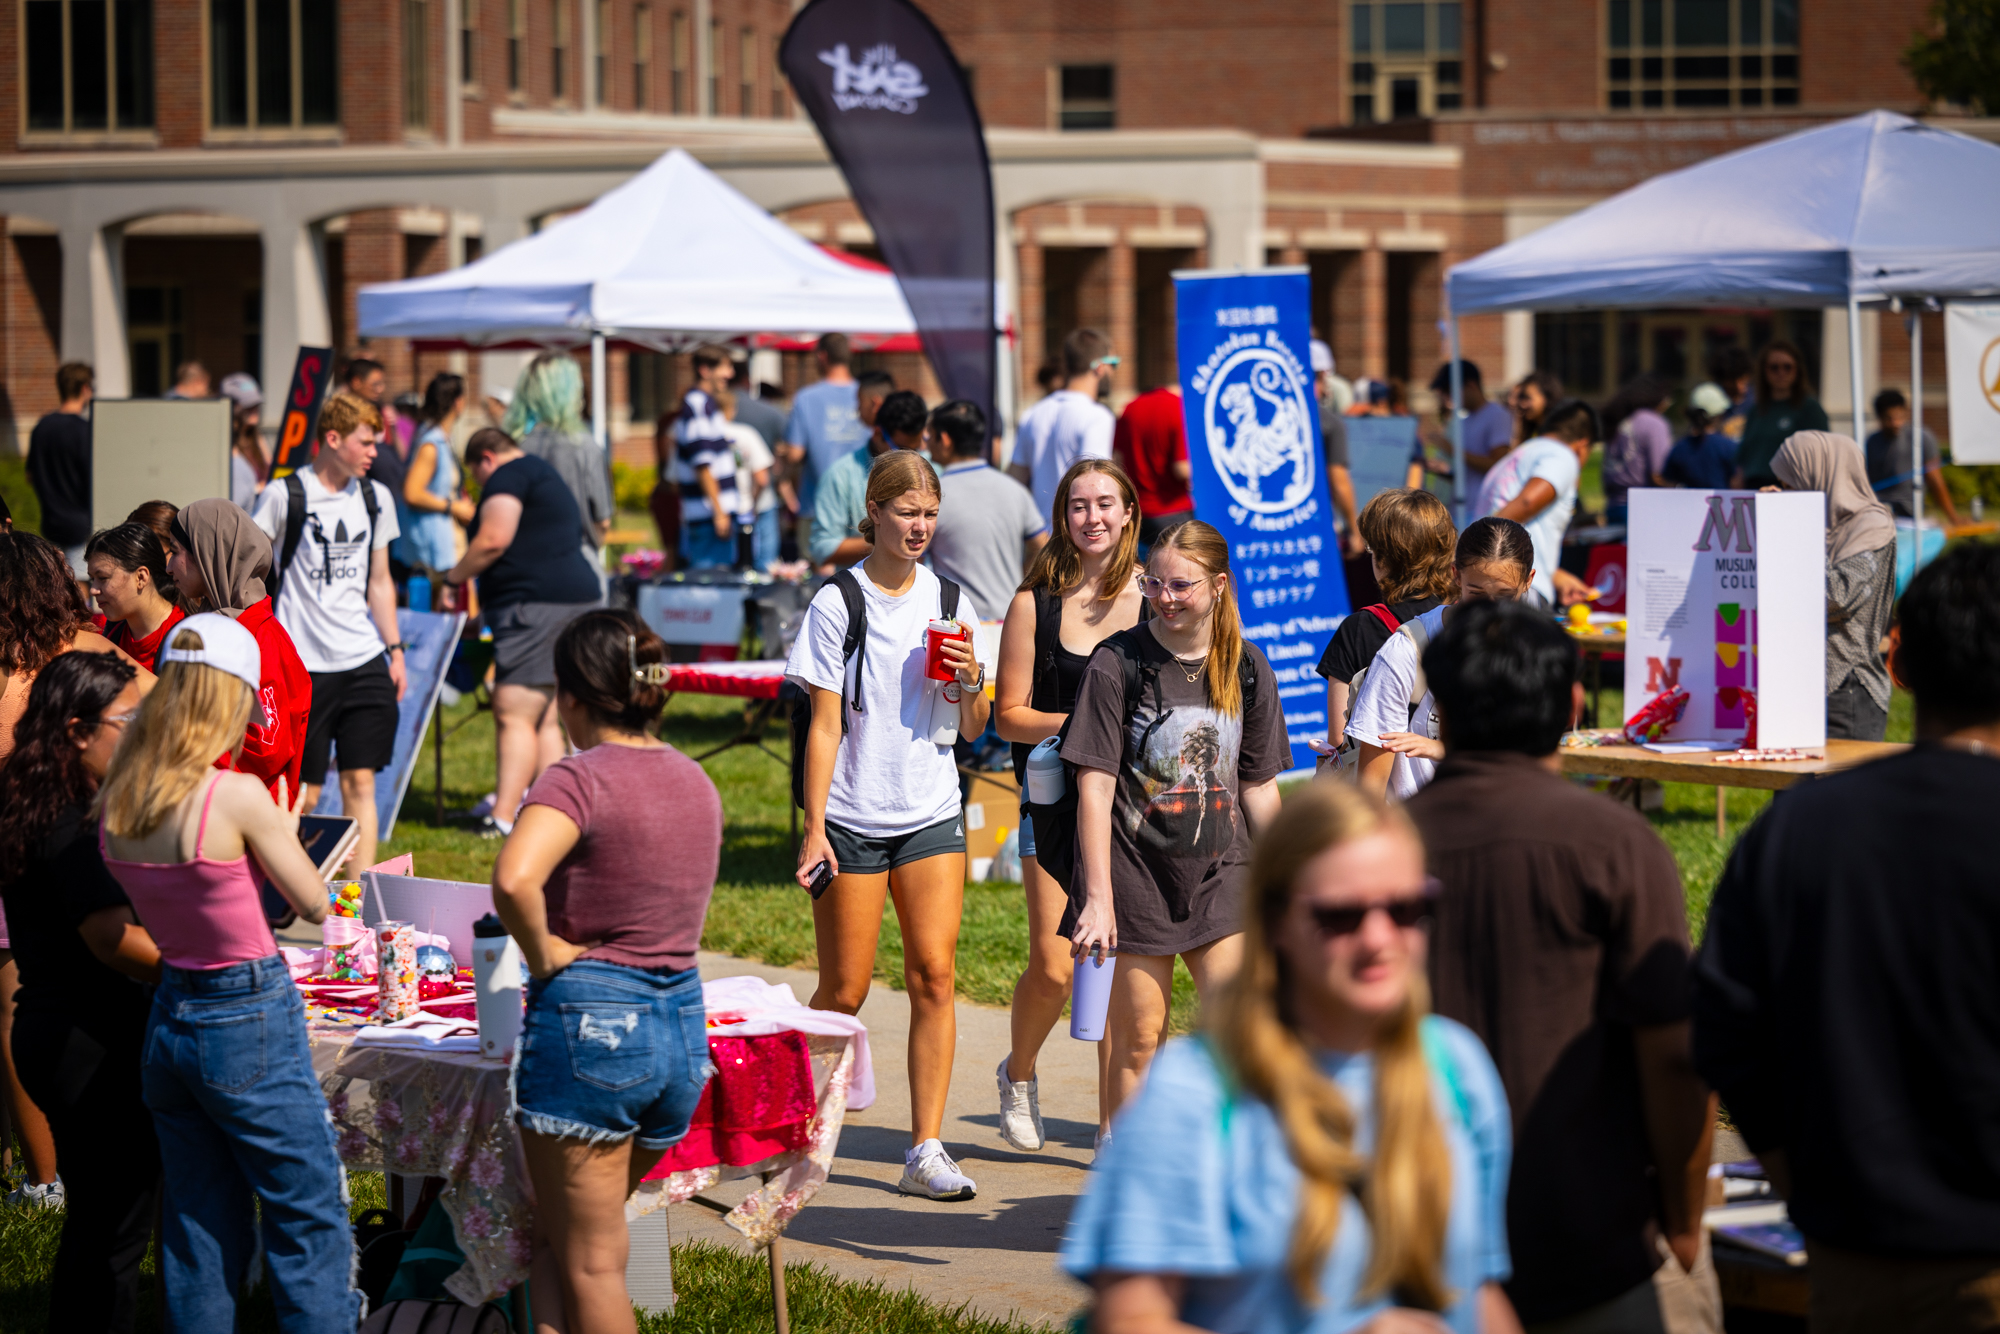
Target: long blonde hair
1405,1188
194,714
1058,566
1200,543
890,476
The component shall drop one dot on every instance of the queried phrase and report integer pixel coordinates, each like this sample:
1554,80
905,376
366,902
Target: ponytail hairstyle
894,473
45,774
1496,541
613,665
194,714
1058,566
1200,543
134,547
1411,533
1405,1189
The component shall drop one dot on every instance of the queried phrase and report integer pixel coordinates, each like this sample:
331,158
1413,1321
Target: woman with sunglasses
1783,405
79,1026
605,881
1171,782
1079,592
1393,718
1327,1156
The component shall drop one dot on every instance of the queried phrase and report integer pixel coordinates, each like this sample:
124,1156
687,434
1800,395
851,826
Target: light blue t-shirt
1184,1190
826,423
1555,463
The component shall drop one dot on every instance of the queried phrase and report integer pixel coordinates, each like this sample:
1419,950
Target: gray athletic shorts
865,854
524,640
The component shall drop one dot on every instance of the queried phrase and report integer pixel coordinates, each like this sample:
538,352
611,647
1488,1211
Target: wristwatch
980,683
397,647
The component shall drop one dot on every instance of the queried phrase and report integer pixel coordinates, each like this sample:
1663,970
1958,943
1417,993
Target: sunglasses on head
1345,920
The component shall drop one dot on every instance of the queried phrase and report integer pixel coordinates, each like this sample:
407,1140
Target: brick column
1029,257
1374,313
1124,325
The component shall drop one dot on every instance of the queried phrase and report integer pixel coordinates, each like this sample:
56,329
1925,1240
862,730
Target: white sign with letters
1726,597
1972,364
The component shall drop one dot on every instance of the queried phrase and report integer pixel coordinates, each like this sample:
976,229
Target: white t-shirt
889,777
1555,463
1062,428
752,457
1383,705
323,602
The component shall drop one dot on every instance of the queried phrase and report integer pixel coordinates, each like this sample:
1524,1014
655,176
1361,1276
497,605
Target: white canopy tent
670,258
1876,208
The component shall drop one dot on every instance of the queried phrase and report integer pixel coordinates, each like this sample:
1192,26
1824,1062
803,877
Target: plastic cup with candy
344,898
1657,716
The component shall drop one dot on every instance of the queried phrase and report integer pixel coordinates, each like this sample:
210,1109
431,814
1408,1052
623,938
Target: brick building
214,179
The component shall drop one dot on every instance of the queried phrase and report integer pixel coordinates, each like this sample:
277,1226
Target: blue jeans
764,540
702,549
610,1053
240,1117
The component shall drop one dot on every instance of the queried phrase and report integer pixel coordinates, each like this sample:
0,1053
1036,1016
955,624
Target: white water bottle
496,983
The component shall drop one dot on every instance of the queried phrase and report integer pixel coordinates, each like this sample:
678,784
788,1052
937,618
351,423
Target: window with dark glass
642,57
272,64
416,64
677,51
1407,59
517,34
89,64
1089,97
746,73
559,49
1701,53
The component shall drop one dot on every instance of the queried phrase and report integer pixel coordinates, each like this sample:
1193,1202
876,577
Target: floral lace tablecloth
446,1114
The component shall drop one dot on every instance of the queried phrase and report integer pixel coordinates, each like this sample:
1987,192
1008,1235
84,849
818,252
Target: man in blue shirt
826,419
836,540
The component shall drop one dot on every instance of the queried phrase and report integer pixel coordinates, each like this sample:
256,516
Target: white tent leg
1854,363
1459,500
1916,323
600,422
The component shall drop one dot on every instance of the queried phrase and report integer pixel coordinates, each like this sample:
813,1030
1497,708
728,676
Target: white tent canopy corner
1874,208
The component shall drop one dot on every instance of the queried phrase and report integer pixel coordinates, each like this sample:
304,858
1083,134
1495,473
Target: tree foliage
1959,59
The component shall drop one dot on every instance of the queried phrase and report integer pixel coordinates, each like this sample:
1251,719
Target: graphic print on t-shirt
1178,806
341,556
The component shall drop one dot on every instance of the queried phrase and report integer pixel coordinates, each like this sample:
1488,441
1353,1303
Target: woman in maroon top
128,579
605,881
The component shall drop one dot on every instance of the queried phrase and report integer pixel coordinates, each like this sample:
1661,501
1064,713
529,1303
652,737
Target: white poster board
1726,594
1972,366
693,613
141,449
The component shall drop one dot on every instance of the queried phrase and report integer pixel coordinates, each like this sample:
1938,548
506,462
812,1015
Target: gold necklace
1193,676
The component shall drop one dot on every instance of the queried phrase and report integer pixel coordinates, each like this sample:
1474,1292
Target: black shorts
353,715
870,854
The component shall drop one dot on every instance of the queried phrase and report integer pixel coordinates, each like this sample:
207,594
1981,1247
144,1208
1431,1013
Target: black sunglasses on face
1346,920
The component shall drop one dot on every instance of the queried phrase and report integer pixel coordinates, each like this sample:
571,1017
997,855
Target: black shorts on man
354,716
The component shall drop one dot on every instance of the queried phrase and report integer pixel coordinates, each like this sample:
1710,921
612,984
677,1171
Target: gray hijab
231,552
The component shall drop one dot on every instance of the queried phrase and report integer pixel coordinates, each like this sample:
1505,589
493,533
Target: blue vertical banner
1259,474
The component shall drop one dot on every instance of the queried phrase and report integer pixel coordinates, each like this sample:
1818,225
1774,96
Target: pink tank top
202,913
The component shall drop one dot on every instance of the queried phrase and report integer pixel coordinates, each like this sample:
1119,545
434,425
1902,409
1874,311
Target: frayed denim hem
557,1127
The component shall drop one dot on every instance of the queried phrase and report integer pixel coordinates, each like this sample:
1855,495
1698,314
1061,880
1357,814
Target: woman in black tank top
1080,591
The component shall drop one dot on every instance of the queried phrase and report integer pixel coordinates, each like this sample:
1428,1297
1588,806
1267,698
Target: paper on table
1686,747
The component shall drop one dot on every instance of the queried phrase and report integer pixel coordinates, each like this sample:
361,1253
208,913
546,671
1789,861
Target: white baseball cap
1322,357
227,647
1710,398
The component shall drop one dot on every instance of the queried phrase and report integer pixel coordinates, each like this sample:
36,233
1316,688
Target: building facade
214,179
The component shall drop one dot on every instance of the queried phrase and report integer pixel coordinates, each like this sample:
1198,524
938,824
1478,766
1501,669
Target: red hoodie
273,750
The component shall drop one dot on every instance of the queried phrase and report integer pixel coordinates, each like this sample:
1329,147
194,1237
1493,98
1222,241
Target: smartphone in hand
821,879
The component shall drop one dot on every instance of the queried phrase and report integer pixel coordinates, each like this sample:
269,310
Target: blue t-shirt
1705,462
826,423
1183,1191
544,562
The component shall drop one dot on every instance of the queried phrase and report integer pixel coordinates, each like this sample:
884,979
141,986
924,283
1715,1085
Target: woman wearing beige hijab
219,560
1860,577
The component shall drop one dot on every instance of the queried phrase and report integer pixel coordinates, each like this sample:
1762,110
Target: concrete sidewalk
997,1251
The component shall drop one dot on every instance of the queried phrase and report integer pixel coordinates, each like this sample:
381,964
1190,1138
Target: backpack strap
1382,612
295,527
855,643
374,508
1419,635
1043,691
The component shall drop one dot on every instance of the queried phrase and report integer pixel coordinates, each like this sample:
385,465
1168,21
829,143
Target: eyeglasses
1180,588
1346,920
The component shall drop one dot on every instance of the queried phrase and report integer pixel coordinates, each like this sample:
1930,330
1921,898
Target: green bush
22,502
1965,482
632,485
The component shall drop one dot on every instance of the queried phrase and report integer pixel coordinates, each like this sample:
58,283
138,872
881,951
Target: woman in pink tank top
227,1071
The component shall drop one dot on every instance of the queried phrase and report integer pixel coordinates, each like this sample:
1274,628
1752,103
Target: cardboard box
992,811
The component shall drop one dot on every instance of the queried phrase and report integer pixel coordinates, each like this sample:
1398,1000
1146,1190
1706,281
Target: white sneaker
1102,1143
31,1196
929,1171
1020,1111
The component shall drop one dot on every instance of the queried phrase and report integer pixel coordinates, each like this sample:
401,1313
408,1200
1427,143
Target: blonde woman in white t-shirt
882,808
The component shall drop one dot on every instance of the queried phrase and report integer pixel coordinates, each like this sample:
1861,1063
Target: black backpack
1055,823
854,647
295,527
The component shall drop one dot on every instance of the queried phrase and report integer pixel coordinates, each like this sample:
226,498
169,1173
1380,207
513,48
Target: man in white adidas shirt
1069,424
338,603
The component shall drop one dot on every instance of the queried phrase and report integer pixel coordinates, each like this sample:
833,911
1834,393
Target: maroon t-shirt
640,878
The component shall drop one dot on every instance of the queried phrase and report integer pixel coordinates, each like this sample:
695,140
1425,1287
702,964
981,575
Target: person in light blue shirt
825,423
1536,486
1228,1195
842,504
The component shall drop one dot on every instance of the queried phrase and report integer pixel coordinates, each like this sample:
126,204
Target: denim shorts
1027,847
610,1053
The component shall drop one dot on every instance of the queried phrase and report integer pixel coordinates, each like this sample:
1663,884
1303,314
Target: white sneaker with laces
28,1195
1020,1111
1102,1143
929,1171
